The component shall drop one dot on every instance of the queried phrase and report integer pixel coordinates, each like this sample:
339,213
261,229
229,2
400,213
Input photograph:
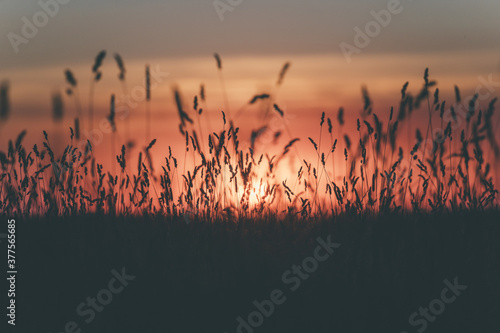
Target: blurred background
334,47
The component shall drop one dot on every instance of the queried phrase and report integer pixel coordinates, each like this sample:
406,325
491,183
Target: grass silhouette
206,240
443,172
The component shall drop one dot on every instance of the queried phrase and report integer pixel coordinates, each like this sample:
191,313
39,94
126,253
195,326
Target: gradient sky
458,40
455,38
155,28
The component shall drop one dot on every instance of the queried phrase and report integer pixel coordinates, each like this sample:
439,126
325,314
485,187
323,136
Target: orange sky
457,40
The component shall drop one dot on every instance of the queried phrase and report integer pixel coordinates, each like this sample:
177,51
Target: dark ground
200,277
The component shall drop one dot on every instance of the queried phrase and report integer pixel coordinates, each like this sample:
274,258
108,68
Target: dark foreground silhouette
184,275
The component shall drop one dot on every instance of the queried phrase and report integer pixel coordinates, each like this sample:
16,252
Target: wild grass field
207,233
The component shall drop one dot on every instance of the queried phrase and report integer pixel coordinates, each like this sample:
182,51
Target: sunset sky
457,40
192,163
156,29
